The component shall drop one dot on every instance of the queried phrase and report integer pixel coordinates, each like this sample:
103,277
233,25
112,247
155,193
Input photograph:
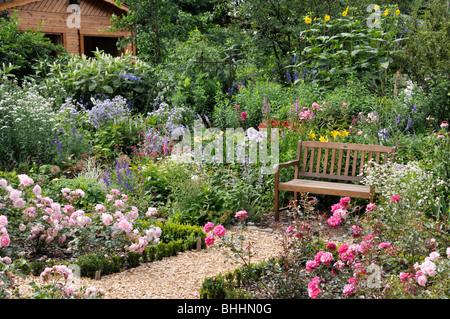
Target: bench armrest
287,164
277,170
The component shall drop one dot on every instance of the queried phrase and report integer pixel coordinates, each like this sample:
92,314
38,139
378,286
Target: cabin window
106,44
55,38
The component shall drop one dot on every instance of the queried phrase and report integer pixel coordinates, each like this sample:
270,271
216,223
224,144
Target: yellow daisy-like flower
397,12
344,14
335,133
307,20
323,139
386,12
327,17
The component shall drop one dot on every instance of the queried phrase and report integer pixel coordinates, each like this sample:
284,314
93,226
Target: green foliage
22,50
158,24
102,76
426,53
93,190
348,46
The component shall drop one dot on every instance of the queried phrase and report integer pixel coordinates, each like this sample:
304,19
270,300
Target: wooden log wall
52,16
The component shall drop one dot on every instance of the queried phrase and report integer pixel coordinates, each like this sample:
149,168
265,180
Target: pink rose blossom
349,289
334,221
313,288
311,264
331,246
428,267
326,258
25,180
356,230
384,245
422,280
341,213
4,241
209,240
241,215
208,227
404,276
434,256
3,183
119,204
37,190
151,211
19,203
370,207
3,220
15,194
219,230
124,225
343,248
396,198
99,208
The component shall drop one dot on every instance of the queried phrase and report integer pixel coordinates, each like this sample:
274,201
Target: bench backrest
341,161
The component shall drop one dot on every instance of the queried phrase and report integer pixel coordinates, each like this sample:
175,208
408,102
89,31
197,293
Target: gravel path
180,276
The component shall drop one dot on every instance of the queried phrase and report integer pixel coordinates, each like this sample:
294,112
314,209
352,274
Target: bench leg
277,210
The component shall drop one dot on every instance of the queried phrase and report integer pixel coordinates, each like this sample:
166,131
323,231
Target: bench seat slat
326,188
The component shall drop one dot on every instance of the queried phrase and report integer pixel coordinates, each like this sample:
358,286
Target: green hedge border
175,238
228,286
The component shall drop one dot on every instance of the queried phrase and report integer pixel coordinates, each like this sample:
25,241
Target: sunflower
327,17
307,20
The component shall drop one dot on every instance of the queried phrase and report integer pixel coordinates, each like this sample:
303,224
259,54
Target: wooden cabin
80,25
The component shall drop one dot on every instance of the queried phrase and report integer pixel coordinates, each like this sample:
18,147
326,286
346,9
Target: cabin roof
18,3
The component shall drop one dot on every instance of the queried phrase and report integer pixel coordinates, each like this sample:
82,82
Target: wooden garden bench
332,166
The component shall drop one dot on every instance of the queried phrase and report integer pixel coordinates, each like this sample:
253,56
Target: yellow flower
335,133
327,17
323,139
307,20
311,134
397,12
344,14
376,7
344,133
386,12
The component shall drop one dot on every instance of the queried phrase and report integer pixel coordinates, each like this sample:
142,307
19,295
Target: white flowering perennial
27,122
393,179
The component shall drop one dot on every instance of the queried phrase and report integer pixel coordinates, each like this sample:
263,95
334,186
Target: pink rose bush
234,243
340,261
4,237
339,212
50,222
423,276
57,281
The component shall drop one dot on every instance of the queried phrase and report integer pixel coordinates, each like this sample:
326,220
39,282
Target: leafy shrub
100,77
23,50
24,113
428,65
